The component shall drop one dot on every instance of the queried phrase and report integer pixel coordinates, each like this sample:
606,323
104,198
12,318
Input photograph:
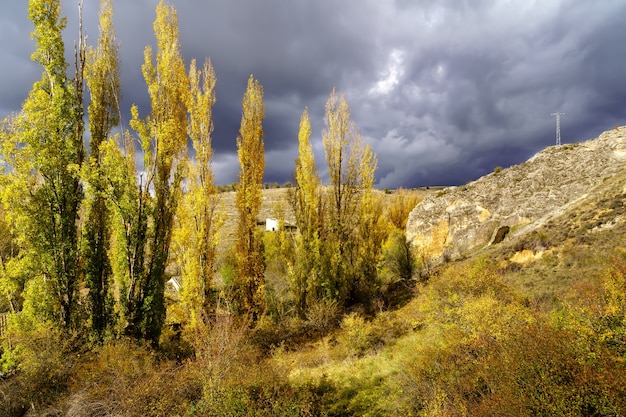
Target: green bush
39,356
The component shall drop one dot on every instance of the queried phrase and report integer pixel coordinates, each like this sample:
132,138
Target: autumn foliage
331,315
249,283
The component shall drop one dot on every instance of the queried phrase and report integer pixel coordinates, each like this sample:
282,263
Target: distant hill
273,200
562,193
276,203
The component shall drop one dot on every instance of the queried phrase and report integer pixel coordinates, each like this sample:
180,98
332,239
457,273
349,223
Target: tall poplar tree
371,231
103,82
163,136
195,236
351,167
249,276
44,147
306,201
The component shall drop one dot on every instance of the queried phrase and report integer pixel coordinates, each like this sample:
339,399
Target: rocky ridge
511,202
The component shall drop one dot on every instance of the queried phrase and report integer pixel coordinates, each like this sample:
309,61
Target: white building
272,225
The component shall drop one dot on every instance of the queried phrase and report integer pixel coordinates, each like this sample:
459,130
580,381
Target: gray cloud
443,91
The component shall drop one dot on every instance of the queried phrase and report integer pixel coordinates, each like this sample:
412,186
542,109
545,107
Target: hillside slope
508,204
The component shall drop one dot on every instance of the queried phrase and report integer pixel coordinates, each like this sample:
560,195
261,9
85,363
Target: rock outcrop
513,201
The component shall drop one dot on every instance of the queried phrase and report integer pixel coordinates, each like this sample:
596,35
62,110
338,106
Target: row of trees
337,248
93,231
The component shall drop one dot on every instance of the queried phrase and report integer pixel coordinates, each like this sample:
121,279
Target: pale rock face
448,224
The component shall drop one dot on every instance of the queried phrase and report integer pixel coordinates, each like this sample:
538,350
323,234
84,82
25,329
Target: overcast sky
444,91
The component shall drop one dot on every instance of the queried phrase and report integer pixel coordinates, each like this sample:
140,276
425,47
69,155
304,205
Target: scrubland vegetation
467,343
338,317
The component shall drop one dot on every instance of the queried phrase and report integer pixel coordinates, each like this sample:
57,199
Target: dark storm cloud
443,91
17,72
479,89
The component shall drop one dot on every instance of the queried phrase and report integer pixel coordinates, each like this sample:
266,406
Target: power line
558,127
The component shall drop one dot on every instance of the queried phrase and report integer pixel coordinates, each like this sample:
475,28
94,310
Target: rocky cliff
511,202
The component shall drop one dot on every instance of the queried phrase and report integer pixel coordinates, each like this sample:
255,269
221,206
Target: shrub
40,357
356,335
547,370
263,392
125,378
323,315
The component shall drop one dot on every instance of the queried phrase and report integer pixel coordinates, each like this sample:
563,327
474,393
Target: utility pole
558,127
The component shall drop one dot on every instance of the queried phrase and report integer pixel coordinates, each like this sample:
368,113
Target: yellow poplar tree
43,145
249,279
195,236
306,202
103,82
351,168
371,230
130,208
163,137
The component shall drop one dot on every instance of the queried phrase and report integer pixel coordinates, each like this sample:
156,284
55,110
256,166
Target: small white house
272,225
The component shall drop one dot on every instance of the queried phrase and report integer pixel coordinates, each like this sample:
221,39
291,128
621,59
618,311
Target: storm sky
444,91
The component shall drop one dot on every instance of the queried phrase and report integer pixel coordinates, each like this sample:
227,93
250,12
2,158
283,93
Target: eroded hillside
583,182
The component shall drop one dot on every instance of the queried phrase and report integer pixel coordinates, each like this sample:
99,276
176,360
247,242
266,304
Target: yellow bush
39,356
